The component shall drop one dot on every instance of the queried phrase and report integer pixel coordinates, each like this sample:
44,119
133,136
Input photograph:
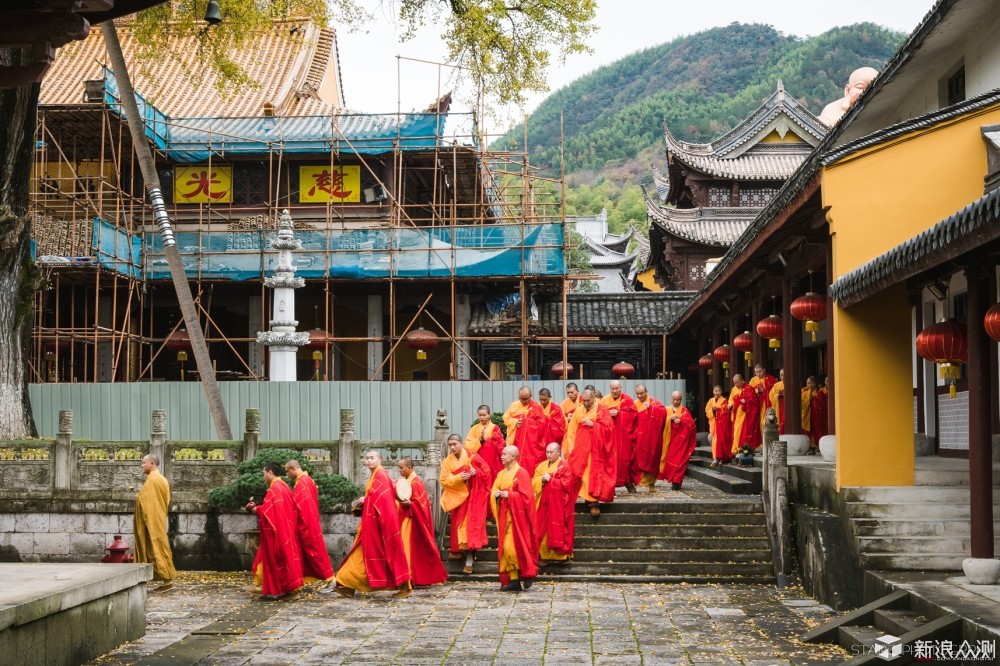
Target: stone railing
775,498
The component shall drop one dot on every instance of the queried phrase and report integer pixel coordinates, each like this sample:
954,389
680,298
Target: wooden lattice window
756,197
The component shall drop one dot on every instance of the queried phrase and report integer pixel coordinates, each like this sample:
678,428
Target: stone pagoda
282,340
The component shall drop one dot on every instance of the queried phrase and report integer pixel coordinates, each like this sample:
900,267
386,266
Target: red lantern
772,329
317,339
992,322
422,340
945,343
623,370
721,355
811,309
744,342
178,341
557,369
693,368
706,362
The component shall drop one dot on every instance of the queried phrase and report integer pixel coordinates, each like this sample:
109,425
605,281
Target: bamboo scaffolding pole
227,341
408,327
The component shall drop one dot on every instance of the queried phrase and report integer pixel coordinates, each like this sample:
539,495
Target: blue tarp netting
116,248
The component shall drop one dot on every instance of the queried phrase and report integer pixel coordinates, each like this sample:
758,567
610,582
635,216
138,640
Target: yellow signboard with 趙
322,184
203,184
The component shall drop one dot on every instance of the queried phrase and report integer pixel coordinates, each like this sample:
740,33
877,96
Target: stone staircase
921,527
669,541
732,479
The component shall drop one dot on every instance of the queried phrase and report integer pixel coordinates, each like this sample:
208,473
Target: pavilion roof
708,226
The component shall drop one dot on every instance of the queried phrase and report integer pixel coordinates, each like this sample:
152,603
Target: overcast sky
369,65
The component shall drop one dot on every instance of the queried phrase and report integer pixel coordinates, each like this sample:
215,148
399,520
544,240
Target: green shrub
334,490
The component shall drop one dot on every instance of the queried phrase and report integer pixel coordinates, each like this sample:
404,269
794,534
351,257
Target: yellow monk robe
455,492
352,572
150,526
568,407
517,523
763,395
807,415
648,478
580,414
713,403
774,401
545,467
739,415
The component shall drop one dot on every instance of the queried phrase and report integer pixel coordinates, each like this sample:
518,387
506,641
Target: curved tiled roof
716,226
603,256
759,164
661,184
290,63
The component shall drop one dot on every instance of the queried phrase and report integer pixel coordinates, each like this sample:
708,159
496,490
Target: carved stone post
770,434
347,464
158,439
435,454
251,433
64,462
776,496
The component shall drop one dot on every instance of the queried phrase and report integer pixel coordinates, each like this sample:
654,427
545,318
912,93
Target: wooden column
980,401
918,310
792,357
716,366
702,388
759,343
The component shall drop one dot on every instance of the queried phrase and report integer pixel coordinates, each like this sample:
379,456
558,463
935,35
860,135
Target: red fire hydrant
117,552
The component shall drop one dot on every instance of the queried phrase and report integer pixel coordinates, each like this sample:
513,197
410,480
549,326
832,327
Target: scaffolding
434,215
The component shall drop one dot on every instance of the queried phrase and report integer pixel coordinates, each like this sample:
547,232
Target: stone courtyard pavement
209,619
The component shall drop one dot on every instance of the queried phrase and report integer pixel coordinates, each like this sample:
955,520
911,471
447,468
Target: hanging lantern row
947,344
811,309
558,369
744,342
721,355
623,370
422,340
178,341
771,329
706,362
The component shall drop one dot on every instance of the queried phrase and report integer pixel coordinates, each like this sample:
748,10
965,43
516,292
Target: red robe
649,436
763,402
315,558
751,424
521,502
555,516
818,417
426,567
476,506
279,544
379,538
530,437
722,445
489,447
683,440
624,434
556,426
595,445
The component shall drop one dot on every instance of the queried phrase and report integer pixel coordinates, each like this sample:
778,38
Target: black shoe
630,487
528,583
512,586
675,486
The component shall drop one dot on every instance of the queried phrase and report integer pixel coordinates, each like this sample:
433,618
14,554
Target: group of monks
735,423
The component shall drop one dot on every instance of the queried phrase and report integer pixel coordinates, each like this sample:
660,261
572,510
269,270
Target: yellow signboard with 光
322,184
203,184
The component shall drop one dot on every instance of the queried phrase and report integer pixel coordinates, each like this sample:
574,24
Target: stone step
675,542
903,510
898,622
569,574
854,638
959,527
950,477
746,473
688,570
938,561
917,544
725,482
596,529
683,506
655,519
947,494
671,556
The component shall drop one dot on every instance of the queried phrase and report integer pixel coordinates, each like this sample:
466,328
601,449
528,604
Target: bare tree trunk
184,298
18,276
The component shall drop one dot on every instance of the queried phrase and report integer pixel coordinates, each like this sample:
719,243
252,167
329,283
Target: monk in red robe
625,420
819,419
681,442
315,558
278,563
465,480
486,439
744,409
591,452
513,505
649,436
416,525
572,401
721,427
527,428
762,383
378,560
554,417
556,490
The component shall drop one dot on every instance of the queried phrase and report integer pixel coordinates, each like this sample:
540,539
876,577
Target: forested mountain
700,86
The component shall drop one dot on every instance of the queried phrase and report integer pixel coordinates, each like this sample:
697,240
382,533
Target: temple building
611,263
712,191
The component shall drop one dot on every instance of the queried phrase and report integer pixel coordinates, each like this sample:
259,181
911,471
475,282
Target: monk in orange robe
554,417
744,410
416,526
486,439
315,558
556,490
278,562
625,420
649,436
572,401
776,399
818,418
527,427
762,383
465,480
512,503
681,439
720,427
591,452
377,561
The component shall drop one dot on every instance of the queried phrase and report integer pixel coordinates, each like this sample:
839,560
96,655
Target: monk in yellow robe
486,439
711,408
572,401
556,490
512,502
527,427
150,523
589,449
776,400
762,383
